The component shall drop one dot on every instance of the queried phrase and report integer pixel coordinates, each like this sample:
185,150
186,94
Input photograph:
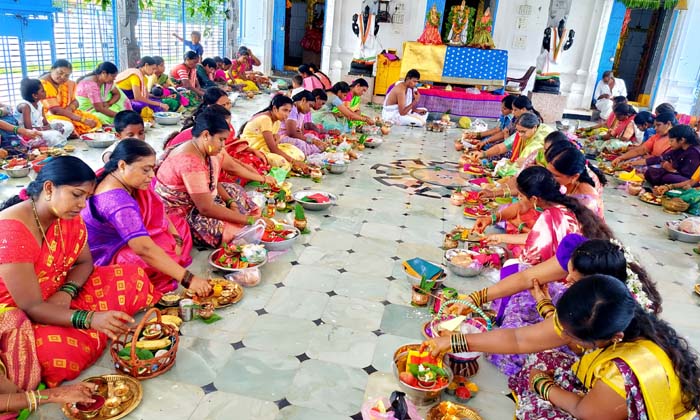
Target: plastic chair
522,82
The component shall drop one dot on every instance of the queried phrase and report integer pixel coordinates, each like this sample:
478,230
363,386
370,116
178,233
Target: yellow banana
153,344
173,320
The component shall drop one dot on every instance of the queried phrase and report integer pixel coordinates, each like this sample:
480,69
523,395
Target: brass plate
106,389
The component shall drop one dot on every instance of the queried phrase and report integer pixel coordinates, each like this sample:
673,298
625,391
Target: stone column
127,17
581,90
233,19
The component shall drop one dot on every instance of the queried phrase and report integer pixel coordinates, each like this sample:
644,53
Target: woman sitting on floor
655,147
127,223
678,164
336,113
261,133
168,94
97,93
29,113
622,133
185,76
575,258
234,169
47,271
188,182
60,105
133,83
485,139
645,125
292,131
528,139
353,100
325,80
310,82
560,216
631,358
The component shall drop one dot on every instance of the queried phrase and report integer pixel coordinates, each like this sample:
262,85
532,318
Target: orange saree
64,352
63,97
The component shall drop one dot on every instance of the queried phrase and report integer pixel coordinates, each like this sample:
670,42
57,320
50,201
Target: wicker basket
464,412
145,369
674,205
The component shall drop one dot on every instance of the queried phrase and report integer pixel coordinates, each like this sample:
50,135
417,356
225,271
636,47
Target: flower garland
634,285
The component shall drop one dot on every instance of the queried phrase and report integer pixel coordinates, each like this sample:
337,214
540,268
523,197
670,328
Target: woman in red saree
127,223
46,271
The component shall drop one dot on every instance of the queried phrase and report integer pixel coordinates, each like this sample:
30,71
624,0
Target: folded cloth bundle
316,198
418,267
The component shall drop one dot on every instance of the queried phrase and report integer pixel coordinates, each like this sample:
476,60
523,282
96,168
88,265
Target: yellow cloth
427,59
658,381
253,134
64,97
248,85
130,83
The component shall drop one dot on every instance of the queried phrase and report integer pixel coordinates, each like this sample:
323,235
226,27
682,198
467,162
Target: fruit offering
235,257
278,234
423,371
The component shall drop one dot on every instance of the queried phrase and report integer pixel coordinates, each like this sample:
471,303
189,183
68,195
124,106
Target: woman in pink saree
560,215
127,223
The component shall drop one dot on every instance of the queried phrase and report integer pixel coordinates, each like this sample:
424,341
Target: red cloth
319,198
65,351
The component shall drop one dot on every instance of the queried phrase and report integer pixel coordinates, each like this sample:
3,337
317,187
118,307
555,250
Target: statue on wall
482,32
431,34
459,32
365,27
556,40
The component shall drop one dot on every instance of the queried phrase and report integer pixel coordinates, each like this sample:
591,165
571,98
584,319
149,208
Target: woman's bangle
521,227
15,130
79,319
187,279
71,288
479,297
493,218
228,202
546,308
478,136
178,239
250,220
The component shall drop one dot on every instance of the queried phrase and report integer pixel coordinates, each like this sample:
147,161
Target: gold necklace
52,247
122,183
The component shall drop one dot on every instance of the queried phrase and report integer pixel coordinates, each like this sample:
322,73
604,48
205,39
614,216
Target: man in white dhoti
400,105
607,89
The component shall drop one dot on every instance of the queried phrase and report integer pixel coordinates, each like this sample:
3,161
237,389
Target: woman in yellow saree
61,105
261,133
634,365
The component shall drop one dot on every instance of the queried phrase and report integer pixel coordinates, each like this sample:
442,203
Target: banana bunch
153,344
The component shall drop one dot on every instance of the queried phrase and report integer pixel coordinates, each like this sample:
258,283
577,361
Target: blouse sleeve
265,124
90,90
566,248
17,245
611,376
123,213
195,176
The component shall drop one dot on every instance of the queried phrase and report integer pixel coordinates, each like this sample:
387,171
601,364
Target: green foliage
649,4
204,9
426,285
299,212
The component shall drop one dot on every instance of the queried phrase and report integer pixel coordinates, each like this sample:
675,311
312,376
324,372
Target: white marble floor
316,337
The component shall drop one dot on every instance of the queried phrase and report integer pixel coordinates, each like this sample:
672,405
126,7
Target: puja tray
108,387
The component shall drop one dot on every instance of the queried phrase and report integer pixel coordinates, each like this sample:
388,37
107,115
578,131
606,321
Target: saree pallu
111,227
64,352
330,121
519,310
88,93
353,103
63,97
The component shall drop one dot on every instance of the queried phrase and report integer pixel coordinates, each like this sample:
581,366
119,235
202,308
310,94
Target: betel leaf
142,354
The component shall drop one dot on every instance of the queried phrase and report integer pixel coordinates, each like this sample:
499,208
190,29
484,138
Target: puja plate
456,411
227,285
475,212
214,255
122,395
655,201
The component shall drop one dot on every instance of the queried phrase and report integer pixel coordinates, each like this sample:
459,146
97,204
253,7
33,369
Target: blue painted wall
612,36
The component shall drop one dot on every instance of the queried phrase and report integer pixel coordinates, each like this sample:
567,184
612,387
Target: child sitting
297,85
127,124
168,97
29,114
